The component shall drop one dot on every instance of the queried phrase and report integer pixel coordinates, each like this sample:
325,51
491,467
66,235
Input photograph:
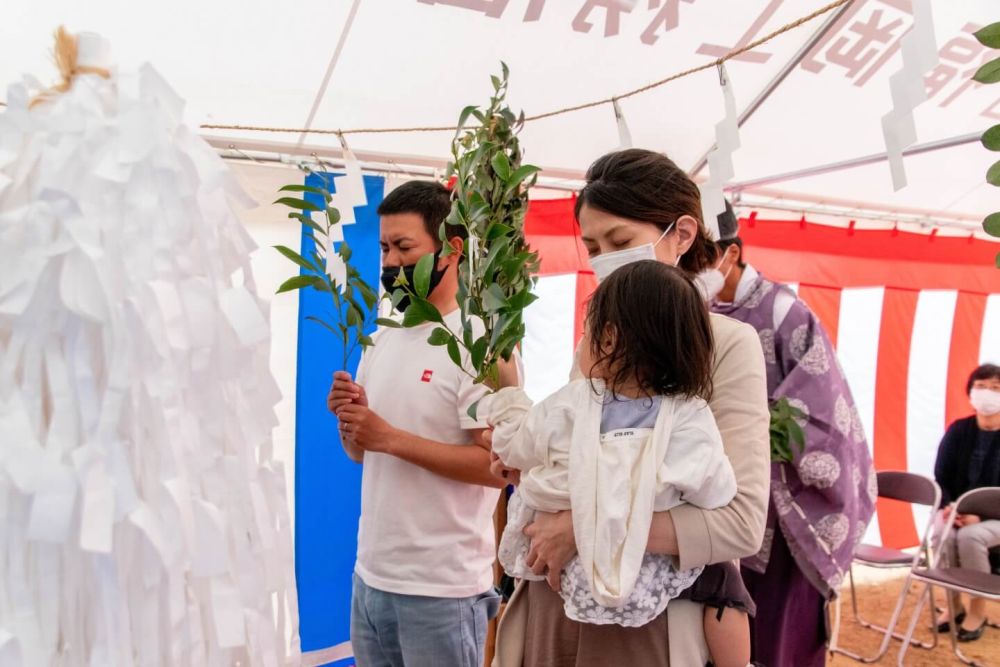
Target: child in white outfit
634,438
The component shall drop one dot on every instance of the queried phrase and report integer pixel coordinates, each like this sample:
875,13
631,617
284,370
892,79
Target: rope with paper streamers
65,54
713,64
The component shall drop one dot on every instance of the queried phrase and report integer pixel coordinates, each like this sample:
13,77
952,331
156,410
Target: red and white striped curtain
911,316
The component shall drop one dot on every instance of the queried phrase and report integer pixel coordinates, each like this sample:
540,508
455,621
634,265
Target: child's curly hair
660,327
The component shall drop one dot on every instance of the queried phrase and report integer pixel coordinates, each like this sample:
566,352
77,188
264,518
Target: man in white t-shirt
423,585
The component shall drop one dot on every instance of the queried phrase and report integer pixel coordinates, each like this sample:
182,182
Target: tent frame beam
778,79
853,163
392,161
411,167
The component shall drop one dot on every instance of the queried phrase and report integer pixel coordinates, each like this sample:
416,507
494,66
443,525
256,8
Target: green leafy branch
354,302
786,431
497,268
990,73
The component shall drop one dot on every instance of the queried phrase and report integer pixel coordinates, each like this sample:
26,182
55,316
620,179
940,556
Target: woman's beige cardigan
739,404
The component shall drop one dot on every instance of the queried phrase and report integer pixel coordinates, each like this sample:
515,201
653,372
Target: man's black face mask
391,273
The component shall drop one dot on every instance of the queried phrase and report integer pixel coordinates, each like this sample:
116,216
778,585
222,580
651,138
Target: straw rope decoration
65,55
557,112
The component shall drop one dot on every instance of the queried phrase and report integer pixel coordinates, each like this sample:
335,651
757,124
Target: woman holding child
662,390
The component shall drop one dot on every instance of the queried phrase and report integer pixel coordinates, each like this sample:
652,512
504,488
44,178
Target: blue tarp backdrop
327,483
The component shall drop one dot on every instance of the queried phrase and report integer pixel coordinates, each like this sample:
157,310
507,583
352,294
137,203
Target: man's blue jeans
393,630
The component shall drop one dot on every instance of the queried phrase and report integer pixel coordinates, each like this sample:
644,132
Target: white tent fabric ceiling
418,62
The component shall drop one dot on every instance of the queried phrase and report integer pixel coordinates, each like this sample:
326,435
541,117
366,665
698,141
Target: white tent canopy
813,143
418,62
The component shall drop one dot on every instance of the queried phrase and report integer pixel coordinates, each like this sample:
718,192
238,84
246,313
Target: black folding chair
916,490
984,503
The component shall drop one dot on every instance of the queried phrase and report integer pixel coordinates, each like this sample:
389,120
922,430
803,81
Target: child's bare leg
728,638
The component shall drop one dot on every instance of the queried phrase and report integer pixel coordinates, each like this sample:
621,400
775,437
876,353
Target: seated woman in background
969,458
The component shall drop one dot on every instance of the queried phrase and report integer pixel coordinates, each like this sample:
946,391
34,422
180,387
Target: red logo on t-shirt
427,376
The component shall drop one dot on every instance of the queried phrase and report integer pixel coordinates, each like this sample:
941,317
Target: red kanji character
964,48
969,81
493,9
960,50
810,63
992,112
717,51
612,19
667,18
938,78
534,10
855,57
854,53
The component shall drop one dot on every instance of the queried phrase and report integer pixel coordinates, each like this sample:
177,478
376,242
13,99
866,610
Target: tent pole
321,93
821,32
853,163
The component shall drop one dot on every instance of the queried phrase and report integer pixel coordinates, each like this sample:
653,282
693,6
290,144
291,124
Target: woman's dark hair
430,200
984,372
648,187
661,329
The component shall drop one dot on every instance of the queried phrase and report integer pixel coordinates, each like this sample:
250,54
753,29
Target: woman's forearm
662,535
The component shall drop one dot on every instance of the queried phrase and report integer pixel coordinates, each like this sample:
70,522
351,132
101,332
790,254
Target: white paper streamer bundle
143,518
920,56
720,160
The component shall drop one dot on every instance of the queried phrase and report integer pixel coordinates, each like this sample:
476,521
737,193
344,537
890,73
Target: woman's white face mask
606,264
986,402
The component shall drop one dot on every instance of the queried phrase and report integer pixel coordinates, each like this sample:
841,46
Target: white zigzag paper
354,179
349,186
720,160
143,516
342,201
920,55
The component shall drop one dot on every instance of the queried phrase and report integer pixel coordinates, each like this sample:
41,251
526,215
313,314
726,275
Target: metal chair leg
833,617
967,660
932,621
865,623
854,605
953,634
888,632
854,596
907,638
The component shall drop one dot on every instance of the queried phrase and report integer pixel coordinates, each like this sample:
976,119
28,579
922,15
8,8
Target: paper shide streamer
143,515
350,192
720,160
920,56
